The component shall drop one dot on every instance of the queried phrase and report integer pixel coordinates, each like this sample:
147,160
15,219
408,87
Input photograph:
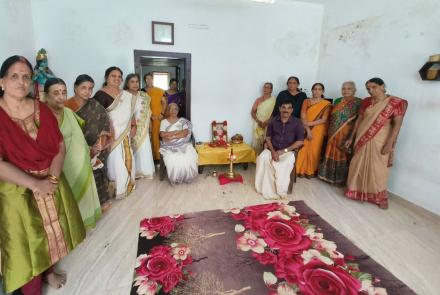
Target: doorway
166,66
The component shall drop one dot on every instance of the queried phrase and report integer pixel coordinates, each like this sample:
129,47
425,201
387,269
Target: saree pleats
120,162
141,141
309,155
99,136
334,167
25,246
369,168
78,170
264,111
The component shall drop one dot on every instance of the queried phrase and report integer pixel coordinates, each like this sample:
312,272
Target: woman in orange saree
158,106
334,168
375,134
314,114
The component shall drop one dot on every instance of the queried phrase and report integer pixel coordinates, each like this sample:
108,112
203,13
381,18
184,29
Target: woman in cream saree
141,140
120,106
261,113
375,133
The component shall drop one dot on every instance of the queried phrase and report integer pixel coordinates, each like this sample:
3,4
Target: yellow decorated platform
243,152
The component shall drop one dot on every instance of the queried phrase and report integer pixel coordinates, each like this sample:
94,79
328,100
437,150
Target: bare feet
107,205
56,280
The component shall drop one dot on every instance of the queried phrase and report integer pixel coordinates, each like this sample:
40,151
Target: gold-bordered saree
36,230
334,166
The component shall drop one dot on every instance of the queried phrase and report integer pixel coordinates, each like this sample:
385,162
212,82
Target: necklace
14,114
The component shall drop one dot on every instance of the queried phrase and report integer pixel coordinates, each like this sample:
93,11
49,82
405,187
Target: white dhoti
272,178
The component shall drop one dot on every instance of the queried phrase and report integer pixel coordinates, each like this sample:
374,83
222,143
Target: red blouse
20,149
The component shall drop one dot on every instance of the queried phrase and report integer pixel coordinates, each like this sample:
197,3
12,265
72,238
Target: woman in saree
261,113
334,168
314,115
120,105
158,107
177,151
292,93
374,136
141,141
97,132
174,96
40,220
76,168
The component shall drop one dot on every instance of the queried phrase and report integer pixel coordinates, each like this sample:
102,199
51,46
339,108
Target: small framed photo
219,132
162,33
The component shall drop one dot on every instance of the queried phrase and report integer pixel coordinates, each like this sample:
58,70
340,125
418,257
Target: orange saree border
396,106
322,112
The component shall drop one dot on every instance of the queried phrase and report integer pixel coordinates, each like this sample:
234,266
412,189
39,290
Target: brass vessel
231,174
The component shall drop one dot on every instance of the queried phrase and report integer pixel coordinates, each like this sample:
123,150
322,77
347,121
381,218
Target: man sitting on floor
284,134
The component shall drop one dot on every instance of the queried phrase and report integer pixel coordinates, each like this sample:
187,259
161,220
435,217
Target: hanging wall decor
162,33
431,70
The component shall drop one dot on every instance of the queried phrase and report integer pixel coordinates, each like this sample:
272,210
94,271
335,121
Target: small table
243,152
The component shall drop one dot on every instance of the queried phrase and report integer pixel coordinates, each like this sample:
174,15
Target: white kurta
181,161
141,142
272,178
120,162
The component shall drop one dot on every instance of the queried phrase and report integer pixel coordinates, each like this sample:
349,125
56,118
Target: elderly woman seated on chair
176,149
284,134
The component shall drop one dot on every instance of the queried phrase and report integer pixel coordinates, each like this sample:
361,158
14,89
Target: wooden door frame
138,54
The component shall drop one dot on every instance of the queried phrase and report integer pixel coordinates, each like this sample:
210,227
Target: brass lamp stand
231,174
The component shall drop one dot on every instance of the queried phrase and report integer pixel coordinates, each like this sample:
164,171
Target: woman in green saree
76,167
40,220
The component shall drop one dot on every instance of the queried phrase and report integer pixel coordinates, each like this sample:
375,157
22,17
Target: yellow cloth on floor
244,153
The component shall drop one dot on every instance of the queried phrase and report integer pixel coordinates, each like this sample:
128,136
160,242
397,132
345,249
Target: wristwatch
286,150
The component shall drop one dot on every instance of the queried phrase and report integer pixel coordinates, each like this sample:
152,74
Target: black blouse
297,101
104,98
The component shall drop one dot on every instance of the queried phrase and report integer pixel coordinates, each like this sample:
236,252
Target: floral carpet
276,248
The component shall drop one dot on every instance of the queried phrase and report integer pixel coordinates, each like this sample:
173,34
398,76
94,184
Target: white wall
392,40
16,30
244,45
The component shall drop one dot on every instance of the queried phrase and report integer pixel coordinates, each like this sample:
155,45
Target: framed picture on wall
162,33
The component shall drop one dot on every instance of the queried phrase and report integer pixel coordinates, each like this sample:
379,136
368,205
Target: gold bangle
53,178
